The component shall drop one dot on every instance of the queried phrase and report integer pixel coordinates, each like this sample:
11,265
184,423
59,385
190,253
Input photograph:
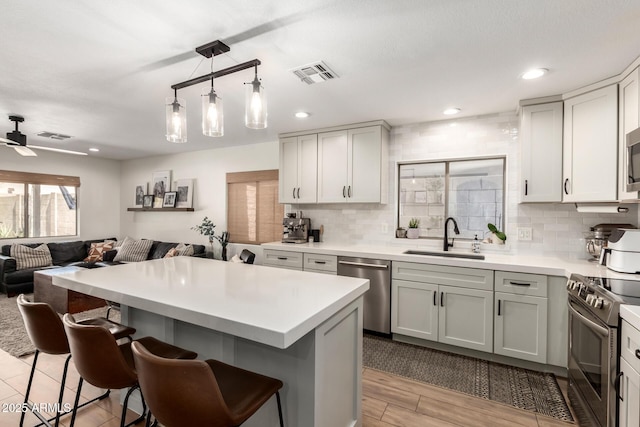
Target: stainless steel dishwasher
377,300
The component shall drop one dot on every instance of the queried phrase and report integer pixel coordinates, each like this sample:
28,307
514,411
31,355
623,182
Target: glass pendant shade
212,113
255,115
176,115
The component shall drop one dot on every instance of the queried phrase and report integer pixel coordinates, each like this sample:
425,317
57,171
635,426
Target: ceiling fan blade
7,142
24,151
58,150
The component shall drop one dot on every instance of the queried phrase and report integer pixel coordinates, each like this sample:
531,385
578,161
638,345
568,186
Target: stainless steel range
594,321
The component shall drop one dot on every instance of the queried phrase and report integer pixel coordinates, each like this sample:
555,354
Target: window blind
39,178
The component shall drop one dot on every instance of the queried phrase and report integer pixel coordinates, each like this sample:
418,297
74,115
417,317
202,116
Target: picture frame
147,201
141,191
169,199
184,188
160,184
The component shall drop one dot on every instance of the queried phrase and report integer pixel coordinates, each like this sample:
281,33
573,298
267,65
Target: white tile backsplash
557,229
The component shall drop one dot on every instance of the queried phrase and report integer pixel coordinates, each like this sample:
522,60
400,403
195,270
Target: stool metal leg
125,406
279,408
26,396
75,404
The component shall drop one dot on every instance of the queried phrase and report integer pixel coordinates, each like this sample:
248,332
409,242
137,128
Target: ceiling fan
18,141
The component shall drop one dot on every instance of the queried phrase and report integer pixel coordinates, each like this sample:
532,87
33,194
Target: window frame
447,162
30,178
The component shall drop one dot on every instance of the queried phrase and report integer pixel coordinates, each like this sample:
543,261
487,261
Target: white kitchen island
303,328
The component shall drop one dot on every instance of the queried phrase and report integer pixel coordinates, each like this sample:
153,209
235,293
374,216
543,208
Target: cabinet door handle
520,284
349,191
638,353
566,182
526,187
283,258
441,299
344,189
619,385
435,296
499,307
294,192
298,192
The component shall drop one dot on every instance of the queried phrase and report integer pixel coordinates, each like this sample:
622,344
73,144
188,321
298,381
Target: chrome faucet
446,244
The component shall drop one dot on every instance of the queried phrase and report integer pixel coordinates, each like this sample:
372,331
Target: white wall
98,195
208,168
557,229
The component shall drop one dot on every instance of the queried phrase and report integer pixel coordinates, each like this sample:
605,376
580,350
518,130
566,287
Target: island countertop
268,305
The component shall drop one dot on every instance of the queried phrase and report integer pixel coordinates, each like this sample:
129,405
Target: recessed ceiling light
535,73
302,114
450,111
94,149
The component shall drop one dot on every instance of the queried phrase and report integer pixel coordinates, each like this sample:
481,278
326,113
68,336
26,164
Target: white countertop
264,304
631,313
550,266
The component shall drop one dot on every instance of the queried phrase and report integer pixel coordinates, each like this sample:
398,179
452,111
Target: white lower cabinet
282,259
629,396
521,327
629,388
520,319
425,307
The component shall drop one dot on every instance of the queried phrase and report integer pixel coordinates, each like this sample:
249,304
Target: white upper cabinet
298,169
590,154
541,156
629,101
352,165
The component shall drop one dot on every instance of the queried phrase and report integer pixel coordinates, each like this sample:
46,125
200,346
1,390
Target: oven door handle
592,325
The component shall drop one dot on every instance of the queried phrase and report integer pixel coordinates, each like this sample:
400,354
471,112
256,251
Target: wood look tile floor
388,400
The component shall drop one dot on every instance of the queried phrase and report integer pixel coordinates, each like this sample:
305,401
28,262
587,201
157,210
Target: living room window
470,190
254,215
37,205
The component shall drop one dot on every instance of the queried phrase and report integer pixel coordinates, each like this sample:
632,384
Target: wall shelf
160,209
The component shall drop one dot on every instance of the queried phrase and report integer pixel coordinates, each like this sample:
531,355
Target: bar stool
46,332
198,393
104,364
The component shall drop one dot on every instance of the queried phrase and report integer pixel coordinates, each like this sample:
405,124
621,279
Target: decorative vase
224,252
413,233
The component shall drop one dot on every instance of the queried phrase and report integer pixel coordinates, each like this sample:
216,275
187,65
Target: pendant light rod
216,74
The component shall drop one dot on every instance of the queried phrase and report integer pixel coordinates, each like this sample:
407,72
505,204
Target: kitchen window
37,205
470,190
254,215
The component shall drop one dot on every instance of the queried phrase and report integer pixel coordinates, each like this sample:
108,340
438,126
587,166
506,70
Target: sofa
14,282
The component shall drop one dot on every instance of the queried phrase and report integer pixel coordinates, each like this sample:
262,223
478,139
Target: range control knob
590,299
569,284
576,285
597,303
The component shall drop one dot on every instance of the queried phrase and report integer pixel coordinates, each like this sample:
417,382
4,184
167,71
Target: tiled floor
388,400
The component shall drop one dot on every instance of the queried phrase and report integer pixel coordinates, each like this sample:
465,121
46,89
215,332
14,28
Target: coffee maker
295,230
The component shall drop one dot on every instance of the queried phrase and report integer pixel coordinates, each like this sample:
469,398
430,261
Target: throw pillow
184,250
171,253
27,257
133,250
97,250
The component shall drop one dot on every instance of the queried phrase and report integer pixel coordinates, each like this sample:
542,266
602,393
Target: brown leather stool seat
201,393
104,364
46,332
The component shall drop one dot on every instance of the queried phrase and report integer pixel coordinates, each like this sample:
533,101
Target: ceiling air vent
316,72
53,135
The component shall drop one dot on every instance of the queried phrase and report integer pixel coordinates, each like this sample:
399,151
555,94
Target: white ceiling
100,70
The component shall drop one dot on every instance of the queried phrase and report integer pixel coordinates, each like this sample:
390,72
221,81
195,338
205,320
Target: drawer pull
320,262
283,258
638,353
498,307
520,284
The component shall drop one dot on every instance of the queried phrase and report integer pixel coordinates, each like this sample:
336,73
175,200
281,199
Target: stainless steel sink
444,254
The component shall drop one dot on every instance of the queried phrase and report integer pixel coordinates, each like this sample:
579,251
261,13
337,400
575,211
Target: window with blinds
37,205
254,215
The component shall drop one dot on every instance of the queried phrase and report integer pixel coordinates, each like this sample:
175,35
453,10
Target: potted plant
207,228
413,232
497,237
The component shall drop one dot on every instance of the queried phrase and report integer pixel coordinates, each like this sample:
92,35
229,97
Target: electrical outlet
524,233
384,228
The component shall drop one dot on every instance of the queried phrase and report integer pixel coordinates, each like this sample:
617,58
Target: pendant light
212,113
255,113
176,117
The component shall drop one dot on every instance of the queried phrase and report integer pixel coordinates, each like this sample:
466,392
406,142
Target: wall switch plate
524,233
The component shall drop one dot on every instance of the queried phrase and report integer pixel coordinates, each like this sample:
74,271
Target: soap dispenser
475,245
